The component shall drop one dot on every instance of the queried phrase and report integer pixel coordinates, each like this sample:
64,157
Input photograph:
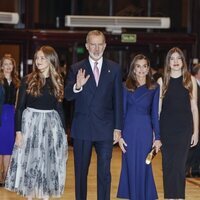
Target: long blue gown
140,120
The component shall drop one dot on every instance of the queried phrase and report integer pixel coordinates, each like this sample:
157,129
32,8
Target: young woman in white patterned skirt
38,163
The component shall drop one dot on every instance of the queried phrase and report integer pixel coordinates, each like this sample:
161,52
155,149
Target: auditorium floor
192,184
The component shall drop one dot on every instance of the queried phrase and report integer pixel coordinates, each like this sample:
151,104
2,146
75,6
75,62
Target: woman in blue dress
10,82
141,120
1,99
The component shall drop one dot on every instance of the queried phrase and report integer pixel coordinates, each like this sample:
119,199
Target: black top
10,92
176,119
176,127
46,101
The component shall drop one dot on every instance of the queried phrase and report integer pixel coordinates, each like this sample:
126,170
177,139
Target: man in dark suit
95,84
193,161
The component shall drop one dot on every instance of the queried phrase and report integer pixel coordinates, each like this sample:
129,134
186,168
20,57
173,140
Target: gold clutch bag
150,156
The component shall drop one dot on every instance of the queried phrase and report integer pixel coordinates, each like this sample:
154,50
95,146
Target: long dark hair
36,81
14,73
131,81
187,81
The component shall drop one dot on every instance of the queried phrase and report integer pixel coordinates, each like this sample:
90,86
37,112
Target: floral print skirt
38,167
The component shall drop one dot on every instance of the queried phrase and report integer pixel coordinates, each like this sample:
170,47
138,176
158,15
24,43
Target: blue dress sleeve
155,114
125,92
1,100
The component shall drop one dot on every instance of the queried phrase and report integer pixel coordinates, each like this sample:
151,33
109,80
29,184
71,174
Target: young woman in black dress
178,121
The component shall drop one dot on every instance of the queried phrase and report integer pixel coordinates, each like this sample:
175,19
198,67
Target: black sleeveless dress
176,127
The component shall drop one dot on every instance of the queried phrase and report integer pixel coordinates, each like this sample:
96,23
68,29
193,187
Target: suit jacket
98,110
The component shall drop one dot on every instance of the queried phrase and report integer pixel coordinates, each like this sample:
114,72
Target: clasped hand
157,144
116,136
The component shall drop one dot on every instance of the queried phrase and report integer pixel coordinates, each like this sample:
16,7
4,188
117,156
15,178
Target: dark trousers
82,157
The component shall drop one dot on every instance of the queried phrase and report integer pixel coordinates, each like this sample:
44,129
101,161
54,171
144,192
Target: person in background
155,73
1,104
38,163
141,120
10,82
95,84
2,92
178,121
193,160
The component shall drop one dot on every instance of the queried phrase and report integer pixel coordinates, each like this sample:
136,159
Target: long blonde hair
14,73
187,81
36,80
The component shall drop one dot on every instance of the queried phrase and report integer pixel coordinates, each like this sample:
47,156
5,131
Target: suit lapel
88,69
105,71
92,90
91,84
